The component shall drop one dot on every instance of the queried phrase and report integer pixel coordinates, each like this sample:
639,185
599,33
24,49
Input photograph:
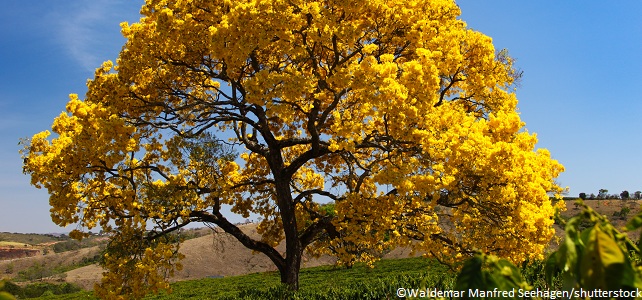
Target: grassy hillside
325,282
57,255
30,238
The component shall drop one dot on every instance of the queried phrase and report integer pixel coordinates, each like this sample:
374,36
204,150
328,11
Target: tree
603,194
583,196
317,101
637,195
624,195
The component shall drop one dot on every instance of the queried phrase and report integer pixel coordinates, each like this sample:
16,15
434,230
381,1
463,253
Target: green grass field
326,282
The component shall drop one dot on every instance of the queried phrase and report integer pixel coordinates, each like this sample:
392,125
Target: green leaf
6,296
506,275
634,223
604,265
552,268
471,275
572,227
567,253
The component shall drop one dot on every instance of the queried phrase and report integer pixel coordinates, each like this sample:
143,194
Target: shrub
40,289
623,213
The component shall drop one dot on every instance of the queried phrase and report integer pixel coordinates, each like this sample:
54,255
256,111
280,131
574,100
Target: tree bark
290,275
293,245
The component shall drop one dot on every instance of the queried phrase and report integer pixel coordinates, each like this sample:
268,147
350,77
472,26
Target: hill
218,254
31,238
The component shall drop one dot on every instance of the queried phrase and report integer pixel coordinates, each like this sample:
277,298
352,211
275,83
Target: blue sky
580,92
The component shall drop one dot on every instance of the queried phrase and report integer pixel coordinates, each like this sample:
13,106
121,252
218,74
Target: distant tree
66,246
624,195
637,195
591,196
603,193
37,271
583,196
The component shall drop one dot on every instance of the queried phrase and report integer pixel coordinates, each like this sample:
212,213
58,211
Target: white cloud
89,30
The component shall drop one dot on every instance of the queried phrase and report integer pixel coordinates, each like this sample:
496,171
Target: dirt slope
216,254
11,268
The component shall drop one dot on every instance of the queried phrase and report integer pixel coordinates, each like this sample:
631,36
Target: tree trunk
290,275
293,245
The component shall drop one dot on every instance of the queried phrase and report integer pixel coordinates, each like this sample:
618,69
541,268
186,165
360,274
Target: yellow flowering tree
393,110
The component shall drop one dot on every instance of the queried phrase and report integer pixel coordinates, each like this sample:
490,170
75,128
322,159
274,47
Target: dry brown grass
608,207
11,268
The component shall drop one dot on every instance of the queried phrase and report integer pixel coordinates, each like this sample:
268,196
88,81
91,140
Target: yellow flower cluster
132,274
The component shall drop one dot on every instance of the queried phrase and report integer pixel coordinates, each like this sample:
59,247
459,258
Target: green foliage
625,195
6,296
623,213
596,257
328,282
66,246
37,271
3,294
327,209
366,289
41,270
40,289
359,282
70,244
325,282
12,288
188,234
534,273
489,273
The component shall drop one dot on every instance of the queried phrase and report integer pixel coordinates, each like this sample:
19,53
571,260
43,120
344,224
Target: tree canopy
394,111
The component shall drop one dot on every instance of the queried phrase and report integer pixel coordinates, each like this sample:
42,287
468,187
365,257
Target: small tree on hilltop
323,101
583,196
624,195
